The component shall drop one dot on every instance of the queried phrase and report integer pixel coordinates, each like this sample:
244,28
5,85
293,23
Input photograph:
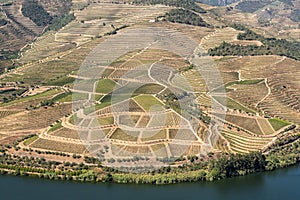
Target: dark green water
282,184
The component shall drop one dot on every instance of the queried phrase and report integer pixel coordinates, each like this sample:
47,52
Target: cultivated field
121,84
242,143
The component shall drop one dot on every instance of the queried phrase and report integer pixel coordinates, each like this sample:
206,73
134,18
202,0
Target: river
281,184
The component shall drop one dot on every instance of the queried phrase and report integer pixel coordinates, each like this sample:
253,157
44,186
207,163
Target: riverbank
225,166
275,185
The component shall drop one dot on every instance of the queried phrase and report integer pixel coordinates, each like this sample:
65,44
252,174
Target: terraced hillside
272,17
18,28
121,84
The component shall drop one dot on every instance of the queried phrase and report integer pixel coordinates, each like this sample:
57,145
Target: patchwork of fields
147,91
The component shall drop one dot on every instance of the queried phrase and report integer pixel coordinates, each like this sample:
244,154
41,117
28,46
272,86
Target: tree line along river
280,184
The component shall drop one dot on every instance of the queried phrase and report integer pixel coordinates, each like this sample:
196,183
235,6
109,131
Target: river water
282,184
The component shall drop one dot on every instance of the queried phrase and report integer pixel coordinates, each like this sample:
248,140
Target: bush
60,21
252,6
3,22
295,15
271,46
32,9
185,17
187,4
